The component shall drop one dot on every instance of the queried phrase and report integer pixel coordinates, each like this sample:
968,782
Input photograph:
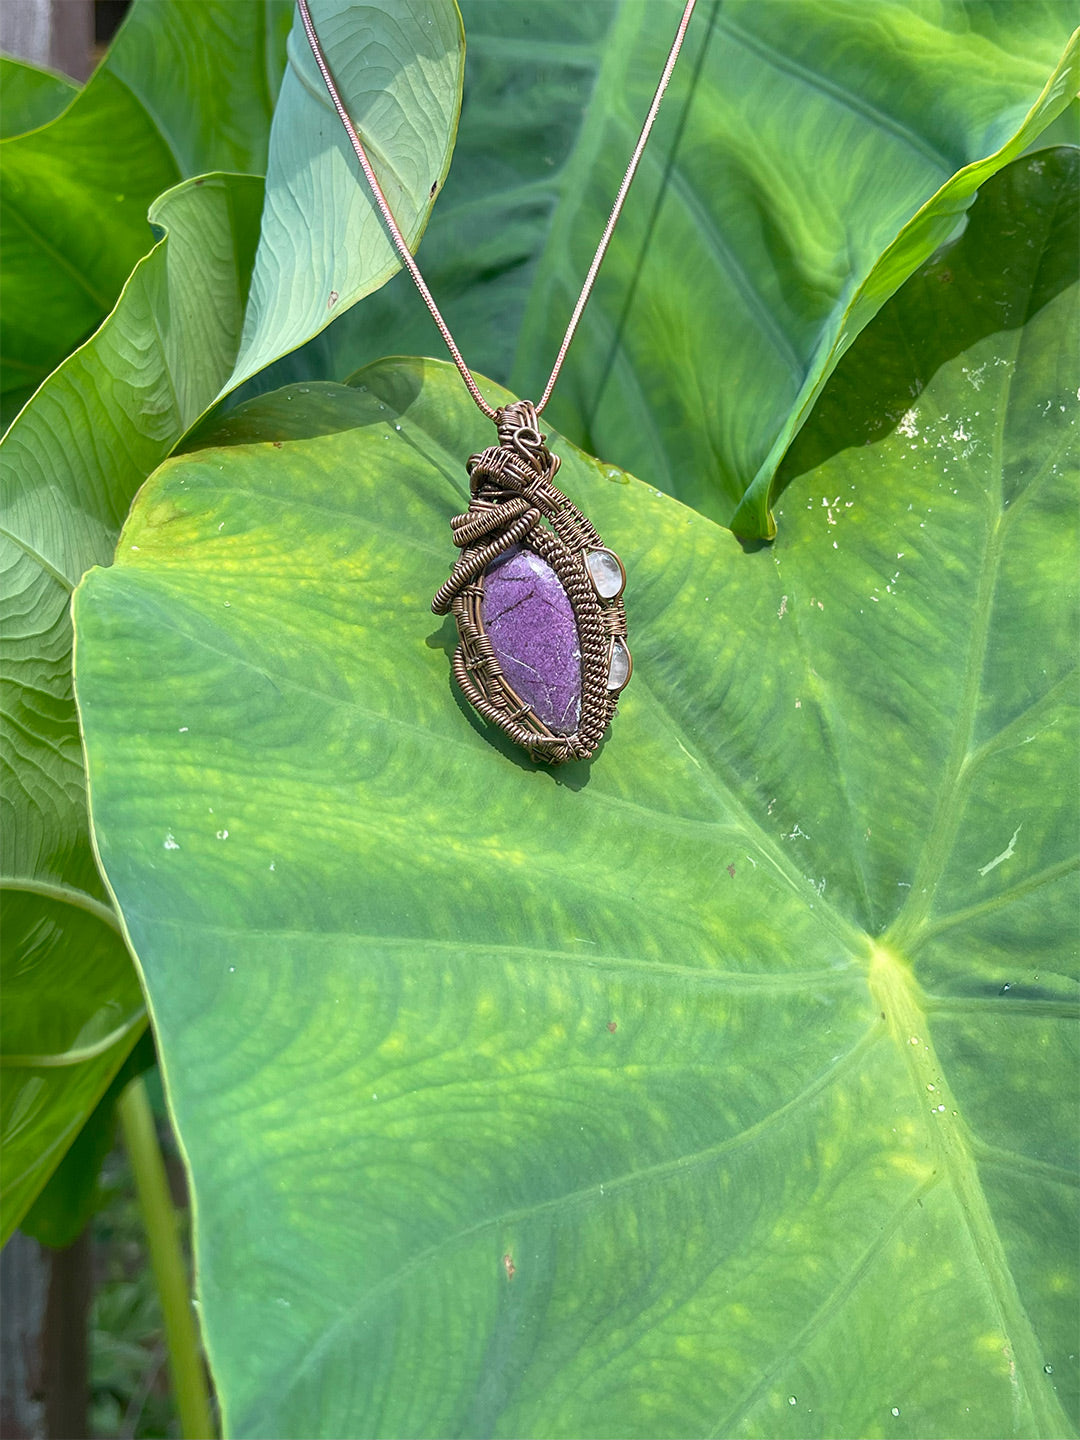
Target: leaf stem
166,1258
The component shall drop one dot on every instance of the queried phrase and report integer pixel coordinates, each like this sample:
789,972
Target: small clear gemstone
606,573
619,672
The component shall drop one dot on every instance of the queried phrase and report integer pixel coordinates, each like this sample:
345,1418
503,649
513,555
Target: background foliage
69,466
808,158
801,173
187,87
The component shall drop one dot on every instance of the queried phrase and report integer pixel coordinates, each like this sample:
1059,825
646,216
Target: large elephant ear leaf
726,1087
69,467
323,245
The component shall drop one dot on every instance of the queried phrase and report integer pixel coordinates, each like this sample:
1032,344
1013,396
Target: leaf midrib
154,122
797,981
929,928
63,894
59,259
898,995
856,104
79,1055
759,309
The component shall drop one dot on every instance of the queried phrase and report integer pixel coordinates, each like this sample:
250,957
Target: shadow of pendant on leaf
537,597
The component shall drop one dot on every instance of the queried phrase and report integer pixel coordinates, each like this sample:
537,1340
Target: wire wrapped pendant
542,651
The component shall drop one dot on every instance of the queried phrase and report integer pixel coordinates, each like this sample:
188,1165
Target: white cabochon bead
606,573
619,670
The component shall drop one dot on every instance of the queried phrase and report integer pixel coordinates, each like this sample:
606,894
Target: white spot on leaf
1006,854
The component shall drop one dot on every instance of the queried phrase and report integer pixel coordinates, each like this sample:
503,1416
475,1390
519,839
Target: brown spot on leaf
731,871
332,301
277,444
509,1266
612,1025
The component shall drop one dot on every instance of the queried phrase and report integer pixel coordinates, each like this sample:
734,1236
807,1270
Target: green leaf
208,72
30,96
808,158
64,254
63,1209
726,1086
69,467
324,245
187,87
72,1006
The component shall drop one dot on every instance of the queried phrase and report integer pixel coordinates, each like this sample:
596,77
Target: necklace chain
401,244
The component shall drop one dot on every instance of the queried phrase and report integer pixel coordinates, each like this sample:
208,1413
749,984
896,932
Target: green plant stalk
159,1218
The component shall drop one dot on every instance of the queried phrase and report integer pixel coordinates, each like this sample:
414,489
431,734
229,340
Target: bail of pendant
537,597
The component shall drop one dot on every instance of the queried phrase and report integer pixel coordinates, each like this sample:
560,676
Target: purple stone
528,616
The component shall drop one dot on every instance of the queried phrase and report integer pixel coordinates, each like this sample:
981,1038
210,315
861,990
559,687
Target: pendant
542,652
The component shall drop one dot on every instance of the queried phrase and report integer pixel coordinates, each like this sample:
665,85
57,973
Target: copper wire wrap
513,494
